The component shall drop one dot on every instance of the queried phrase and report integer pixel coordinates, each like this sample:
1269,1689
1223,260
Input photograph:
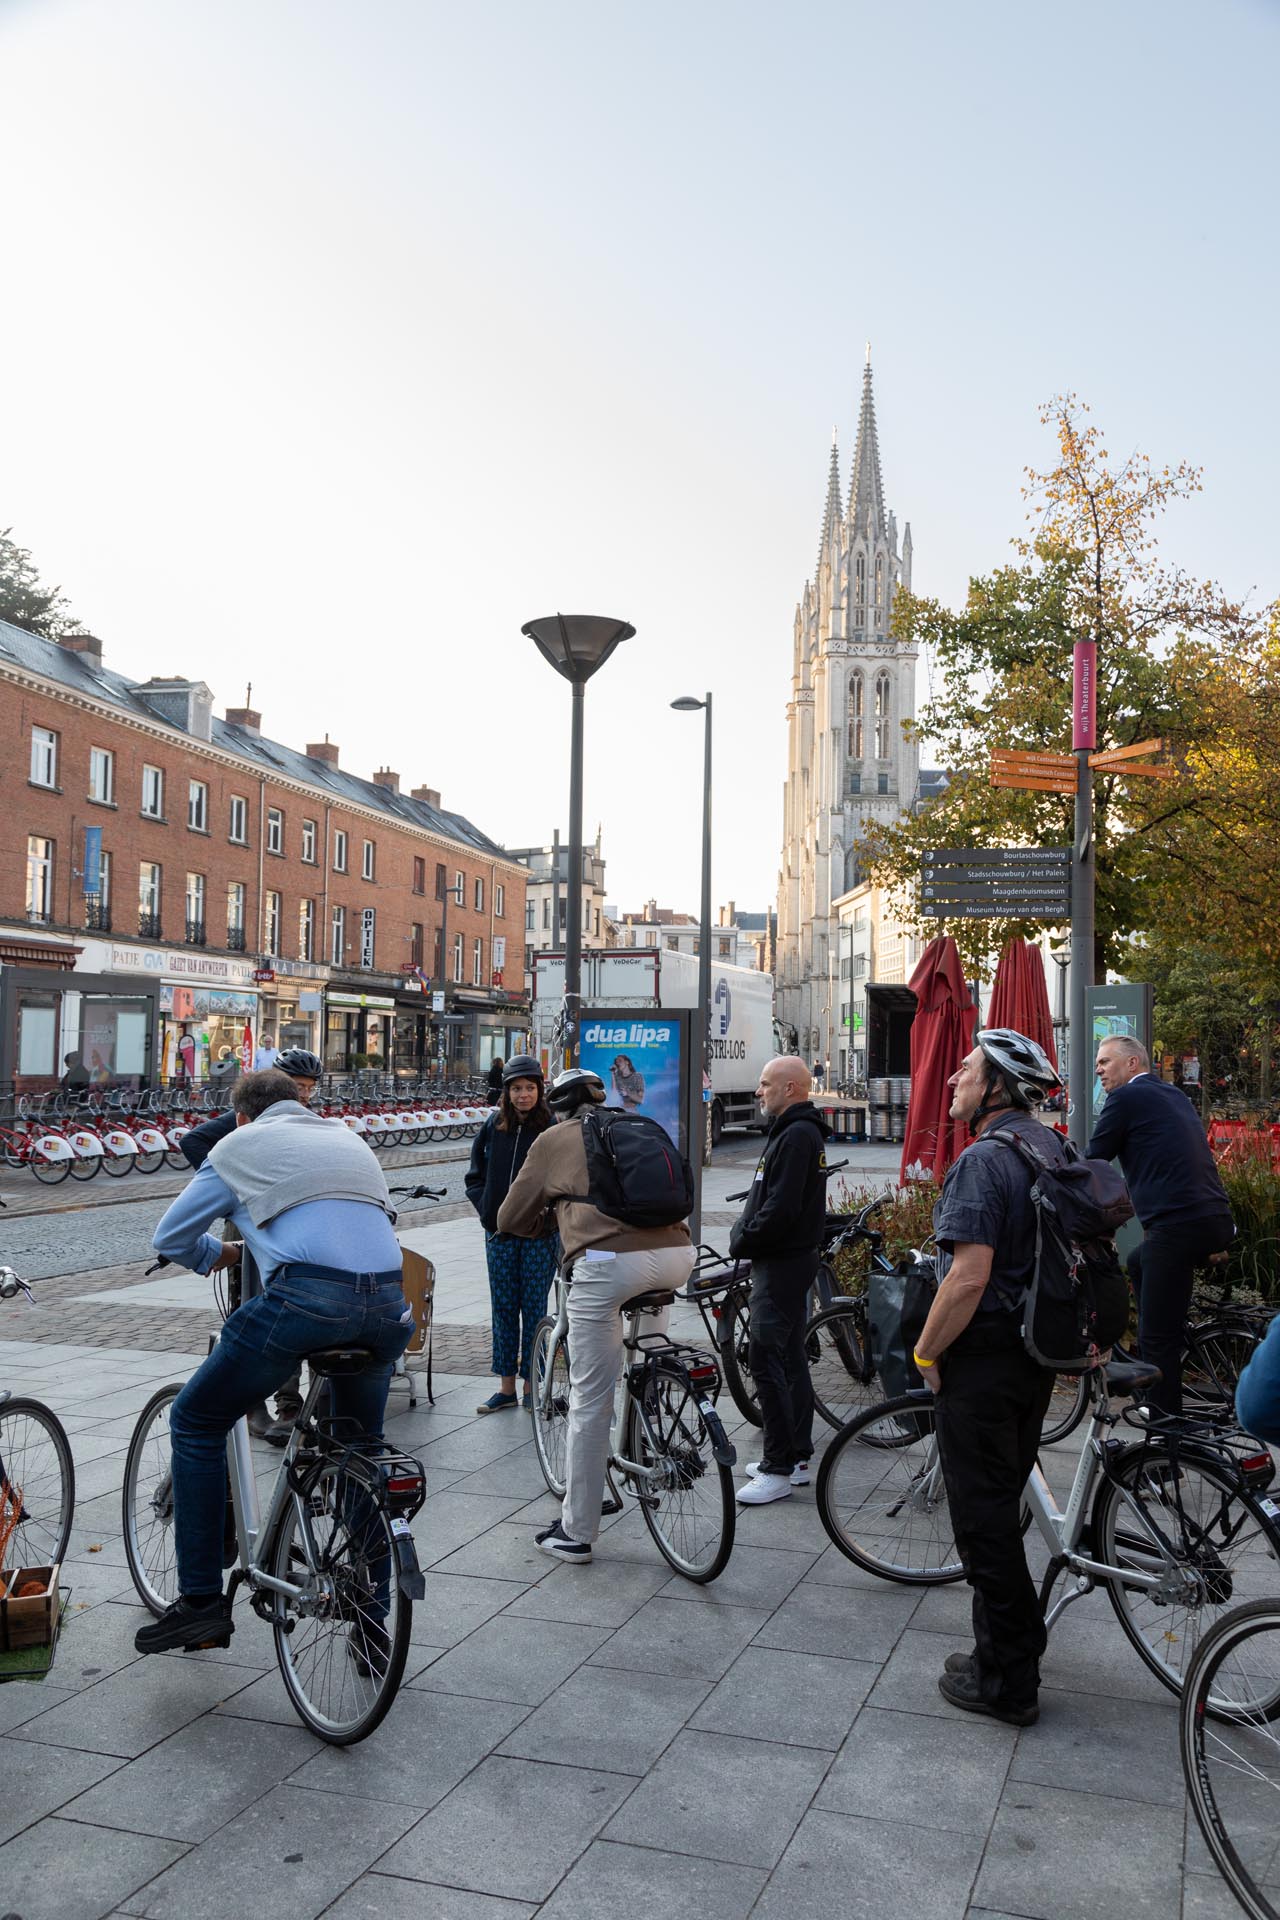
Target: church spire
833,511
865,492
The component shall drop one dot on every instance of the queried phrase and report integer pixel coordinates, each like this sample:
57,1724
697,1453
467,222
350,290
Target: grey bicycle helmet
522,1066
575,1087
300,1064
1024,1068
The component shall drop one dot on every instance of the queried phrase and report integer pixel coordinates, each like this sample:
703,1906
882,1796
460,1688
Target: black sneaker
962,1690
557,1543
187,1628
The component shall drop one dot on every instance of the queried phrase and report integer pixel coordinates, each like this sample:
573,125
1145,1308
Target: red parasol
1020,998
941,1035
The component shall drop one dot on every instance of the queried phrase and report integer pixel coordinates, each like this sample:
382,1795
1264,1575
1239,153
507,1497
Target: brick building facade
212,883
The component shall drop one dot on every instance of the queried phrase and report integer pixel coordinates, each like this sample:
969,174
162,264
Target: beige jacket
555,1168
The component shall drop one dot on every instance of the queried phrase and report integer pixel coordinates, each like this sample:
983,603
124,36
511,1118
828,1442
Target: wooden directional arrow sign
1033,772
1113,759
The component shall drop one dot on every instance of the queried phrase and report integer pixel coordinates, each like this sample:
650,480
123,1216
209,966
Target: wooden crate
418,1278
31,1620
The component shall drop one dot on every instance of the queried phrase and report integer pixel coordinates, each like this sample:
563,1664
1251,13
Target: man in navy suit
1153,1130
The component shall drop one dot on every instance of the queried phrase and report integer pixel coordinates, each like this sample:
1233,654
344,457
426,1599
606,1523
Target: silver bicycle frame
632,1469
253,1535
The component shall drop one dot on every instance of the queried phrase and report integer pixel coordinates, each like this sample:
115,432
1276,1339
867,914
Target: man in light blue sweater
311,1203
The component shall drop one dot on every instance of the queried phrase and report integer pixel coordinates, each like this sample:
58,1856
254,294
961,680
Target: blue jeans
261,1345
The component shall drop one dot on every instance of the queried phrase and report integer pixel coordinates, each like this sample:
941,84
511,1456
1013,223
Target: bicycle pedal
207,1646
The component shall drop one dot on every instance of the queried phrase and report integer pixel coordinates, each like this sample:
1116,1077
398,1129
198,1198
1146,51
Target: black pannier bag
635,1172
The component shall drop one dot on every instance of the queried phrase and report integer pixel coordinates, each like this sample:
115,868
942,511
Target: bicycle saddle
327,1361
1128,1376
646,1303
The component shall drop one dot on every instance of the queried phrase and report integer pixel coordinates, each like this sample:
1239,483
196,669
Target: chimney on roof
651,911
431,795
385,778
83,643
325,751
244,717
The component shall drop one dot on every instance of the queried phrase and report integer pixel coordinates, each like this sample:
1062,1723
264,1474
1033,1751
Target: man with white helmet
991,1396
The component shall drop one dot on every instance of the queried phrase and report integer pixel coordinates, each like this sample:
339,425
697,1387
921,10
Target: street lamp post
576,645
699,1125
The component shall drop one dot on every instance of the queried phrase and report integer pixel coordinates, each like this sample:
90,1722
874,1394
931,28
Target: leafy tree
24,602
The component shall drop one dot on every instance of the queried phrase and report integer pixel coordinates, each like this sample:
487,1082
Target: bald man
780,1232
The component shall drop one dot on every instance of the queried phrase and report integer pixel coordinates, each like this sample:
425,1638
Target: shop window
477,963
499,901
102,776
197,806
275,831
37,1033
339,850
479,896
457,959
309,842
149,884
238,824
419,874
153,792
337,936
195,910
44,757
366,861
39,879
306,929
415,945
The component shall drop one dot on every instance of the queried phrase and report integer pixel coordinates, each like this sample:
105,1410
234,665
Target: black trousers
780,1286
1162,1268
990,1412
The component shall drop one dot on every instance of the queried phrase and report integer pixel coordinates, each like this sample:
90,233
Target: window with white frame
39,878
104,881
195,901
44,757
235,906
499,901
477,963
530,916
271,923
102,775
339,850
153,792
457,959
149,889
460,888
309,842
337,936
275,831
479,896
197,806
306,929
366,861
238,822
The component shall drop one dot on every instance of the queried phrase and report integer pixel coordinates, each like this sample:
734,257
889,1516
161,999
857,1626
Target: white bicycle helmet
575,1087
1024,1067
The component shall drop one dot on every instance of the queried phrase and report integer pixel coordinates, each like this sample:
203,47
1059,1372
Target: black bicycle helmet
300,1064
1023,1067
522,1066
575,1087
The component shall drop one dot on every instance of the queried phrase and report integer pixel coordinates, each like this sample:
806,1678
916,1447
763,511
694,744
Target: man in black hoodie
780,1232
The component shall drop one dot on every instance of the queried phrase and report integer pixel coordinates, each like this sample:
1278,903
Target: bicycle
1177,1523
332,1567
37,1472
667,1444
1229,1741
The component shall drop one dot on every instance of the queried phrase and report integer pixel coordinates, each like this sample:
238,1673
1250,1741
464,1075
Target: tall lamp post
577,645
699,1126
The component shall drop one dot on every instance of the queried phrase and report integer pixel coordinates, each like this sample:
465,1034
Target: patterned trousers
519,1280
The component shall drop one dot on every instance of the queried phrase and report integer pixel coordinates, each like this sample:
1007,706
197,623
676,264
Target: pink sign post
1084,710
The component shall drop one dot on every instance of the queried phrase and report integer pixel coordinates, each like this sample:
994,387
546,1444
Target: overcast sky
341,339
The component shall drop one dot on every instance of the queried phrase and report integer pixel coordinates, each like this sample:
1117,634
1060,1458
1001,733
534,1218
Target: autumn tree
24,601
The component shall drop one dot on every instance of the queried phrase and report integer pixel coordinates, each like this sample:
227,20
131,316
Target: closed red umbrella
1020,997
941,1035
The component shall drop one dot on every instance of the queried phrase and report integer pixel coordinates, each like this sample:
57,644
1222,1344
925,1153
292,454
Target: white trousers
596,1296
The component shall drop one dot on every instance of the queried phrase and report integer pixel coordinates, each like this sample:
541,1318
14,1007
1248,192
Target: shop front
48,1011
359,1031
291,1003
497,1025
207,1009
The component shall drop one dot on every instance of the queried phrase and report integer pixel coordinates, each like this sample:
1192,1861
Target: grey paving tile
607,1718
139,1706
263,1699
426,1744
477,1444
754,1577
1096,1744
667,1637
1206,1897
819,1619
92,1581
449,1520
60,1871
506,1552
1051,1850
99,1446
1088,1653
606,1594
801,1699
377,1896
188,1786
456,1604
866,1869
511,1828
23,1700
514,1473
722,1798
615,1879
792,1522
308,1842
906,1767
947,1610
509,1659
39,1780
908,1680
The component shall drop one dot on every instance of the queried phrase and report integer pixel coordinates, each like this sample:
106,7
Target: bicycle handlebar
11,1284
421,1193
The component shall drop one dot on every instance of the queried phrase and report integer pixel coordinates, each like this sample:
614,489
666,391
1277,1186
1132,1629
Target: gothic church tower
848,764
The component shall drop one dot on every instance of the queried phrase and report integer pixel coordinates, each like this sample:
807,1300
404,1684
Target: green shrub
906,1222
1253,1188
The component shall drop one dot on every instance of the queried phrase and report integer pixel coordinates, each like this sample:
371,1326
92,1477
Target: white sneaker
764,1488
799,1473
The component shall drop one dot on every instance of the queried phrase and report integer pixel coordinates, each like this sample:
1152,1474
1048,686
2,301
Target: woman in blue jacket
519,1270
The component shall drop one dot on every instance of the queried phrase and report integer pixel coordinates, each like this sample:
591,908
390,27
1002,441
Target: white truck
743,1035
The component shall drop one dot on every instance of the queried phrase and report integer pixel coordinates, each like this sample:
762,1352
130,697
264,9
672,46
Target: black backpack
1077,1304
635,1173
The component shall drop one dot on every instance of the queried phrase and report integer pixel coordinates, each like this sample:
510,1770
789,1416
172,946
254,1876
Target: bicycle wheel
175,1158
549,1385
38,1480
1067,1407
46,1169
826,1289
1229,1735
149,1162
885,1507
117,1164
342,1647
844,1382
1225,1550
734,1347
147,1502
685,1493
1214,1358
85,1166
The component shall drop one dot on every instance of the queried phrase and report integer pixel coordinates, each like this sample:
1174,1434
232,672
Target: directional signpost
997,883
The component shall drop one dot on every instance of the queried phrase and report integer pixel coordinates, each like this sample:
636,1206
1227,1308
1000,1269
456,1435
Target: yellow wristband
923,1363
